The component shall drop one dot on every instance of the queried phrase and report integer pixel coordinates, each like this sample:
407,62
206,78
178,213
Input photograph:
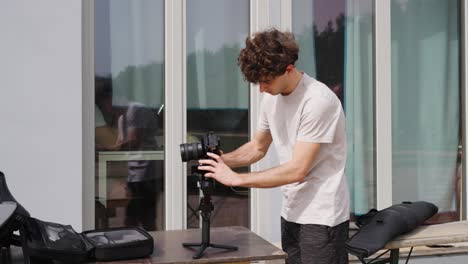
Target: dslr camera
198,150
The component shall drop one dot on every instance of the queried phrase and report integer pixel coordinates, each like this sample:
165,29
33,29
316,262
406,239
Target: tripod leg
223,246
200,252
191,244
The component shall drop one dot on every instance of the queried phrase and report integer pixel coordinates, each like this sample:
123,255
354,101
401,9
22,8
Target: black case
120,243
48,241
379,227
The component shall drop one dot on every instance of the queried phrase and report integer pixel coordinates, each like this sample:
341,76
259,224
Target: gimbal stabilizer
206,207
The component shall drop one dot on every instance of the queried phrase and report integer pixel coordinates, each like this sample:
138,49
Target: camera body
195,151
198,150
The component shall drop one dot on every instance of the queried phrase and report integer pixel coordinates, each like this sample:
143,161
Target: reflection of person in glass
305,120
105,134
137,131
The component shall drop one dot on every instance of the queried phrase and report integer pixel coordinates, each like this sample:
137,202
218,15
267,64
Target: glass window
426,104
129,117
217,97
336,47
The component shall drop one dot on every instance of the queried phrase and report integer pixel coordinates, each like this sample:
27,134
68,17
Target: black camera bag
46,242
379,227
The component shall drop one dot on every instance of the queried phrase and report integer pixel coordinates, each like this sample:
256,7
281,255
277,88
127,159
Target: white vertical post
263,208
383,102
286,15
259,20
464,92
88,214
175,118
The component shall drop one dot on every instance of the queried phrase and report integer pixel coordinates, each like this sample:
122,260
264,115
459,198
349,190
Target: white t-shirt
311,113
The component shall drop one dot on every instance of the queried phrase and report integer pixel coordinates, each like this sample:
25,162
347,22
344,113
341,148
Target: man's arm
105,135
250,152
293,171
106,138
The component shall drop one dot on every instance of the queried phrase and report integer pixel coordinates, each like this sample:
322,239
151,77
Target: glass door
426,126
129,113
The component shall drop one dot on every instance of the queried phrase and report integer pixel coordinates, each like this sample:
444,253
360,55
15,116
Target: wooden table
440,234
168,248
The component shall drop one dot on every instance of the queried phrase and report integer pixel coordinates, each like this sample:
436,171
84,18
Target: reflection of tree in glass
142,83
217,74
325,59
329,50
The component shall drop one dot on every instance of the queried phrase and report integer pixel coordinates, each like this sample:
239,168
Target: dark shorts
314,244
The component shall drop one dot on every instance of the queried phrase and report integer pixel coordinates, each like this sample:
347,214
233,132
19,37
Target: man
137,132
305,120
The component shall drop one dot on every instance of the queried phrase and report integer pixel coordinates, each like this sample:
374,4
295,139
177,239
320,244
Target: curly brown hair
267,54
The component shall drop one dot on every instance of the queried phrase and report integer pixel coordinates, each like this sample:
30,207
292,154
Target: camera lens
191,151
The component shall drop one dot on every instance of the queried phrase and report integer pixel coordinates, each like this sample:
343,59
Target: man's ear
289,68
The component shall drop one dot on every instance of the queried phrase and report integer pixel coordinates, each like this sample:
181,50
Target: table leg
394,256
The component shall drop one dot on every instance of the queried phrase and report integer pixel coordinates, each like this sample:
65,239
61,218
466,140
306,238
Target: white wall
41,106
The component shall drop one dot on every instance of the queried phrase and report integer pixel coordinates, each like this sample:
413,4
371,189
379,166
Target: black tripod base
203,246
